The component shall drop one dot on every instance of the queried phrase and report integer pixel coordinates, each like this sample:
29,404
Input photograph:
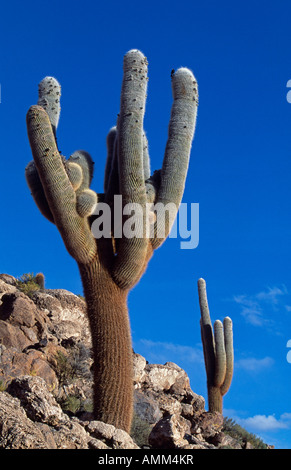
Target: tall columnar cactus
218,352
109,266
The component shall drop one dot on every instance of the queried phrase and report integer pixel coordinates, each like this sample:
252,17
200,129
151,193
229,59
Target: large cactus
109,266
218,352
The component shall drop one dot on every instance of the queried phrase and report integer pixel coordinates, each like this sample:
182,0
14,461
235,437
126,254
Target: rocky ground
46,384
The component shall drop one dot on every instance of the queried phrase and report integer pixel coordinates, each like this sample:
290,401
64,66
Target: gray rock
37,401
163,377
139,364
17,431
111,436
147,407
170,433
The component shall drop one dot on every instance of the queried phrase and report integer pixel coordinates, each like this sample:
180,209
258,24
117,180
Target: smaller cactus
218,352
40,280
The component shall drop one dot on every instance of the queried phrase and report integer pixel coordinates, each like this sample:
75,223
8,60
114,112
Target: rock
17,431
197,402
147,407
208,424
6,288
108,434
187,411
13,337
248,445
36,400
65,313
222,440
198,444
96,444
170,433
70,434
167,403
180,387
163,377
18,309
43,417
15,364
139,364
20,316
8,279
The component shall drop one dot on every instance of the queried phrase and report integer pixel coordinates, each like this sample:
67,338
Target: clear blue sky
240,53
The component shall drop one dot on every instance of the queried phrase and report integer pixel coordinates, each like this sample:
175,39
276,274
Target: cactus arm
220,356
130,128
112,177
86,203
146,158
37,192
49,94
110,143
203,302
206,331
57,187
84,161
86,199
152,186
75,174
228,338
131,252
177,153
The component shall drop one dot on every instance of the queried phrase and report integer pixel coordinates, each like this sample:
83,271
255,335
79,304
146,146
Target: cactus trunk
215,399
112,351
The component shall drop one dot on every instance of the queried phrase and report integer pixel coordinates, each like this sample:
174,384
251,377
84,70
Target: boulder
7,279
162,377
65,313
17,431
207,424
139,364
147,407
13,337
16,364
110,436
170,433
21,323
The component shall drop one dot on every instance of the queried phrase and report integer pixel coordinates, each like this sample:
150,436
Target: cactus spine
218,352
110,267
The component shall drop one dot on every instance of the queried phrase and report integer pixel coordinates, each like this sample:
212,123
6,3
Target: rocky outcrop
46,384
163,398
31,418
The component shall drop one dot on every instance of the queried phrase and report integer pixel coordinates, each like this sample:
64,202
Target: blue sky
240,53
